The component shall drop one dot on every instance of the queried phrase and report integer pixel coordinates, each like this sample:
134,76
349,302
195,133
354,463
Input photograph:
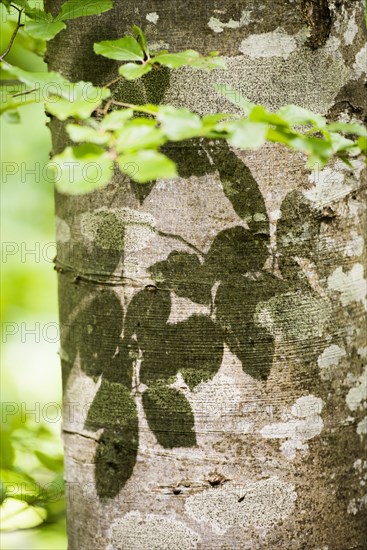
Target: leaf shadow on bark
142,352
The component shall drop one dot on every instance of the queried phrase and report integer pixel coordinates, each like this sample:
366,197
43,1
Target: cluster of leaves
31,476
41,25
135,50
131,136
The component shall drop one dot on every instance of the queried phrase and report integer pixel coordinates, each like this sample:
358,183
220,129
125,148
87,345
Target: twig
25,92
19,24
106,108
112,82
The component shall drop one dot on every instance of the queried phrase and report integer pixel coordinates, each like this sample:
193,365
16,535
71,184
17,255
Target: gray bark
213,326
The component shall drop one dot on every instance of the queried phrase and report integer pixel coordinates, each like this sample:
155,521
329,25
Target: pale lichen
259,505
351,285
136,531
152,17
217,26
330,357
272,44
357,396
305,423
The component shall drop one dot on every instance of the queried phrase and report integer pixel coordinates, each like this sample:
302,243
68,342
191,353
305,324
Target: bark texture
213,326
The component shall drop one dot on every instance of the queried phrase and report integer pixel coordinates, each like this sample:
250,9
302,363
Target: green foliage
82,169
133,141
27,499
45,28
62,98
132,71
144,166
72,9
124,49
136,49
179,124
189,58
41,25
124,138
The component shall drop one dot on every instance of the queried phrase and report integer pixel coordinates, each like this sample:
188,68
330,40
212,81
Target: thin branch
106,107
19,24
16,7
112,82
25,92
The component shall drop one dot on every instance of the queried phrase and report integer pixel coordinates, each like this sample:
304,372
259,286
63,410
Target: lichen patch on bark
136,531
260,505
217,26
305,423
273,44
351,285
357,396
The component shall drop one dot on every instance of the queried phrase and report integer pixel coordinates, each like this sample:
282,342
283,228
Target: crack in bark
71,432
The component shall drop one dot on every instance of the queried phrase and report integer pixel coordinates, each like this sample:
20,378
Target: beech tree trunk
213,326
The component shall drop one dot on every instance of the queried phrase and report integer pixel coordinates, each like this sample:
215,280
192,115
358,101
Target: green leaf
31,44
2,492
63,99
176,60
83,98
54,464
245,134
19,485
44,30
81,134
209,120
148,109
340,143
54,81
319,150
7,451
20,3
13,117
123,49
6,3
188,57
347,128
234,97
345,159
37,14
147,165
12,103
83,8
300,116
141,38
260,114
15,514
179,124
82,169
116,119
282,135
131,71
139,134
362,144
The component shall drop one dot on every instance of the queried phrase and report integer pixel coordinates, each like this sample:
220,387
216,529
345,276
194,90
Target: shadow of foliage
141,351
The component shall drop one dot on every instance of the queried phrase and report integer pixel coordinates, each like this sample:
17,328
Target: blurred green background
33,506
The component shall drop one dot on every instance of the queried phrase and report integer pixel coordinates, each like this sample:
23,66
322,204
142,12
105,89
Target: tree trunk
213,326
